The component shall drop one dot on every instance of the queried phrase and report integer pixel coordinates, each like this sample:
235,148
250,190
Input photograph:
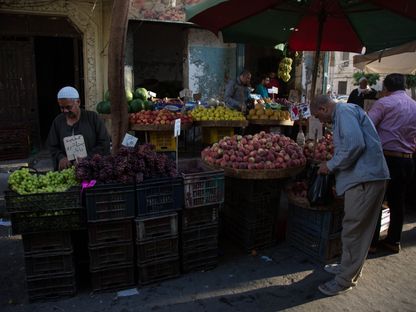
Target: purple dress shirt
395,119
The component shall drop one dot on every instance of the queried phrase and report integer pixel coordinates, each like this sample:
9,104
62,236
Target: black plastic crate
200,238
158,271
48,221
252,190
158,196
112,278
202,184
46,242
250,236
157,249
109,202
200,260
156,227
322,223
325,249
49,287
47,203
253,211
109,231
200,216
49,264
120,253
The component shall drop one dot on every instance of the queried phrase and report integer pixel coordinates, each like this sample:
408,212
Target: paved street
240,283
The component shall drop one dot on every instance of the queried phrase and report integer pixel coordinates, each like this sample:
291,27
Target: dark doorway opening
57,65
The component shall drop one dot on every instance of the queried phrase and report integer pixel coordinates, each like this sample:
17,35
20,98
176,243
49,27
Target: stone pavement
240,283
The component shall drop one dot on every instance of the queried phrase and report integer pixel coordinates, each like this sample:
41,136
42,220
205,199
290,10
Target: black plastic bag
320,191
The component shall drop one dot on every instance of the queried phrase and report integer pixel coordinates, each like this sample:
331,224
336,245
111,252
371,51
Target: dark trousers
401,174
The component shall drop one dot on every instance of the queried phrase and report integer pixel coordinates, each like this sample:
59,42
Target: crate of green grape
44,202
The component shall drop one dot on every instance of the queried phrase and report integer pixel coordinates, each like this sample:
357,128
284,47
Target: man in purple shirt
395,119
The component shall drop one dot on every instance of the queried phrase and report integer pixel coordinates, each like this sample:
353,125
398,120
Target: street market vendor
76,131
261,88
237,91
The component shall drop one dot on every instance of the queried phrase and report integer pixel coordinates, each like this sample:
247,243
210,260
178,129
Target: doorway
56,63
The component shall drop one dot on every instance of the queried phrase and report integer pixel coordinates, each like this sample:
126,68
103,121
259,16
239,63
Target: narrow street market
201,155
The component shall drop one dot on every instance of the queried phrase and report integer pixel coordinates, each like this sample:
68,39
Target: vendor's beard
70,115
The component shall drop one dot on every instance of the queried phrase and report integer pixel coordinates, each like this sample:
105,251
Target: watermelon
104,107
141,93
129,95
137,105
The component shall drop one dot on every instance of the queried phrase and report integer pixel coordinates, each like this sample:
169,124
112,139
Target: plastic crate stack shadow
204,197
157,240
45,222
316,232
250,212
50,272
110,213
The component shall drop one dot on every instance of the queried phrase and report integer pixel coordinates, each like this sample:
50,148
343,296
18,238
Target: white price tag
177,130
151,94
75,147
129,140
273,90
185,93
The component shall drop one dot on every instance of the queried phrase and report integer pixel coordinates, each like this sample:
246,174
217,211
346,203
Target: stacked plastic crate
251,211
45,222
110,213
157,241
204,197
49,265
316,231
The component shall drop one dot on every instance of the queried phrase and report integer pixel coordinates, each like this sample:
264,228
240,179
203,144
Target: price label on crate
129,140
177,129
75,147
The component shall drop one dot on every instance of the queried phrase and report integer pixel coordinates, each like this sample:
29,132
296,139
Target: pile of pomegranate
260,151
324,149
160,117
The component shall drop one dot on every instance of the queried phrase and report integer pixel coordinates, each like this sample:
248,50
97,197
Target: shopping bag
320,191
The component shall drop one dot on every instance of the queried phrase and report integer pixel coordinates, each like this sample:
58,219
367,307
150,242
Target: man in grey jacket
361,173
237,92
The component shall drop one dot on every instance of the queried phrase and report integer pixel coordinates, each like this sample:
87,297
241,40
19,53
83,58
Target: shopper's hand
323,169
64,163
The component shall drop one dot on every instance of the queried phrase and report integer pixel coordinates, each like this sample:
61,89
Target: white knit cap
68,93
362,79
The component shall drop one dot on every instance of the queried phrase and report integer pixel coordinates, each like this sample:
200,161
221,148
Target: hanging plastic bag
320,188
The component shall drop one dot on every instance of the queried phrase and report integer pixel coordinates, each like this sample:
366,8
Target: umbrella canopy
310,25
401,59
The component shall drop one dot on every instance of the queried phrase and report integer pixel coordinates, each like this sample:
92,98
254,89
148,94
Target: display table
160,135
222,123
271,122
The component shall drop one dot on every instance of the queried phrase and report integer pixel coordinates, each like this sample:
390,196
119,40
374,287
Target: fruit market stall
255,167
217,122
158,126
135,212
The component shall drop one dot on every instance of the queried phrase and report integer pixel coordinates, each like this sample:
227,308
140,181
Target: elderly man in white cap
363,92
76,131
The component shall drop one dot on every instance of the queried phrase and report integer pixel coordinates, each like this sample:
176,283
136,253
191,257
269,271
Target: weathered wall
93,20
211,63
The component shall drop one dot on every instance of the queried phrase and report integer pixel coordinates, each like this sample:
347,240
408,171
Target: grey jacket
358,156
236,94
